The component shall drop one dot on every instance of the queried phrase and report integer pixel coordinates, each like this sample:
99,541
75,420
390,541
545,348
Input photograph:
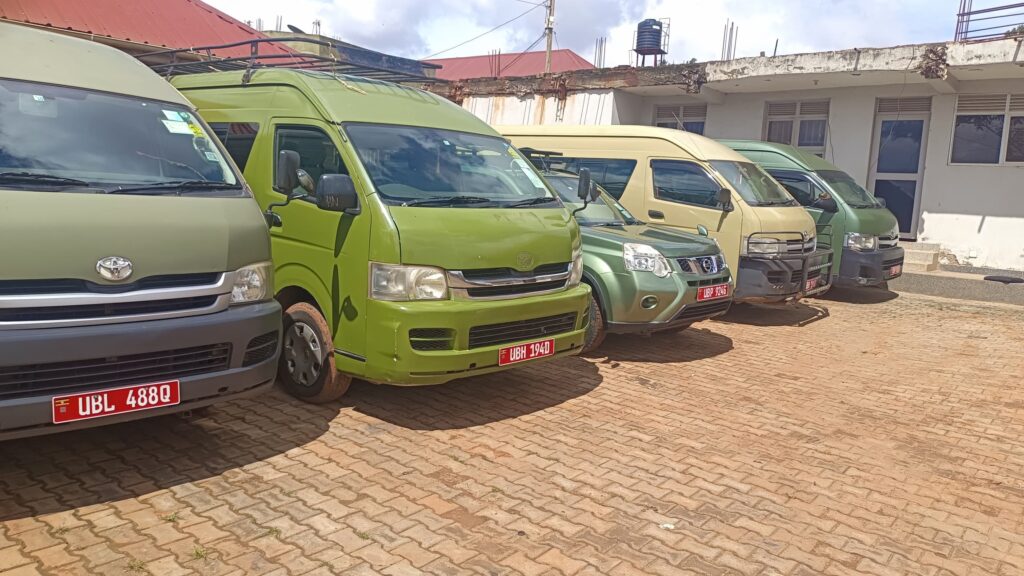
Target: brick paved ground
880,437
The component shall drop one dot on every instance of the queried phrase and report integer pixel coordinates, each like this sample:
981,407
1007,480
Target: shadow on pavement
799,315
59,472
859,295
477,401
687,345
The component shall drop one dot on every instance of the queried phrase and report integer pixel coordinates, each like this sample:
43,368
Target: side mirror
725,199
827,203
585,187
702,230
595,192
286,177
337,193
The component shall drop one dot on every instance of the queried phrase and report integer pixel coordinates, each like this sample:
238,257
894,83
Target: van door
830,226
683,194
317,243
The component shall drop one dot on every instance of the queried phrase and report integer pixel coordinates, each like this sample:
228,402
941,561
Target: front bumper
775,280
394,328
676,296
869,268
32,354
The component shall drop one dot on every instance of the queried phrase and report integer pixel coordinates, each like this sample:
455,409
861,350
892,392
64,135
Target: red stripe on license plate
88,405
524,352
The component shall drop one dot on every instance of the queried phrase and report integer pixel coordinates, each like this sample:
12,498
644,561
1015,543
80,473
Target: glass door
897,166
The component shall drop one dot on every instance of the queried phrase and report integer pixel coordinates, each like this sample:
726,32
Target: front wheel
307,369
595,330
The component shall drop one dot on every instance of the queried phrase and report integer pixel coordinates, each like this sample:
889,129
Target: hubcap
303,354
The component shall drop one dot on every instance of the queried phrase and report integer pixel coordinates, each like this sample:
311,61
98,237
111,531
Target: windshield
602,212
432,167
845,187
753,184
59,138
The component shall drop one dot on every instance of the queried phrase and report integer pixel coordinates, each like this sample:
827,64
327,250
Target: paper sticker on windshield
197,131
172,115
177,127
212,157
528,170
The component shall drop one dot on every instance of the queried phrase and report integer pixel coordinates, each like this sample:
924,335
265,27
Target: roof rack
339,58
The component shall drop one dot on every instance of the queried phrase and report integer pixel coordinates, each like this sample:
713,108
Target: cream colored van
690,182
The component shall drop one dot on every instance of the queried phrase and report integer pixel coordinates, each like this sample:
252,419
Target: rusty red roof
524,64
160,23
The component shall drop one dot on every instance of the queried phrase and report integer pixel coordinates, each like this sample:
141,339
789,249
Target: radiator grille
520,330
95,311
101,373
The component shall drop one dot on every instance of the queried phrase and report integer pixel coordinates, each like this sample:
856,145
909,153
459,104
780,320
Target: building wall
976,213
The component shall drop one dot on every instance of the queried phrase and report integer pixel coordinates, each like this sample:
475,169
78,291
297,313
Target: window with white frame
800,124
689,117
988,129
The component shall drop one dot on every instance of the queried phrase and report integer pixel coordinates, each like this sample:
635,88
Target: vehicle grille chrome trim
463,287
219,290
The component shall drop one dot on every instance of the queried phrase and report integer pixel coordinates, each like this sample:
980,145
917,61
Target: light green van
856,225
419,246
136,277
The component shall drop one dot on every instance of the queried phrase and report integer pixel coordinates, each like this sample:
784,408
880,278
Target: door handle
656,214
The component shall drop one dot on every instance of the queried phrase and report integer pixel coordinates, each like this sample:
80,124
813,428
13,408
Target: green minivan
643,278
856,224
136,277
412,244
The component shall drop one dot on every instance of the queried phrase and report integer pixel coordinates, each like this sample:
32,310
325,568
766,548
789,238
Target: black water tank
648,37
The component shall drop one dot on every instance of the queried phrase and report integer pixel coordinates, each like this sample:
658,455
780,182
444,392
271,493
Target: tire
307,370
595,330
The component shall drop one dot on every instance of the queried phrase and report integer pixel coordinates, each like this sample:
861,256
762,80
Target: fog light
649,302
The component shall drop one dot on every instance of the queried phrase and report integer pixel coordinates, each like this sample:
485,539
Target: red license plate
896,270
90,405
712,292
524,352
811,284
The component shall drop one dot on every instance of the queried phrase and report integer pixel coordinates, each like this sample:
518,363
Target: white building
935,129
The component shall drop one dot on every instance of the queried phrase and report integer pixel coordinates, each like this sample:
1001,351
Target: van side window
684,182
798,186
317,153
238,138
612,174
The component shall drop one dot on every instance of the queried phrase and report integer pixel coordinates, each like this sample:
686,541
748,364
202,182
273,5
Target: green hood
51,235
873,221
670,243
474,238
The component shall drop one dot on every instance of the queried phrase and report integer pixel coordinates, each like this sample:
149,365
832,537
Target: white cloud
416,28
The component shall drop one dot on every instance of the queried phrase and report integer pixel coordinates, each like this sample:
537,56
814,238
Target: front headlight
398,283
576,272
253,284
644,258
757,246
861,242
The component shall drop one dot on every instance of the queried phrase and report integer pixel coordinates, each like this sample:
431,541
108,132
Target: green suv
643,278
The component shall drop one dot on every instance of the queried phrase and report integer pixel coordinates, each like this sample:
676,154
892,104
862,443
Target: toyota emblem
114,268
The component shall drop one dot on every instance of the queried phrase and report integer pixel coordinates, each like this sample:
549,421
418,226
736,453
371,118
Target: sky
422,28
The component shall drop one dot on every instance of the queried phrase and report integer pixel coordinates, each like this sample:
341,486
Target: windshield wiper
532,202
777,203
447,201
598,224
31,177
177,185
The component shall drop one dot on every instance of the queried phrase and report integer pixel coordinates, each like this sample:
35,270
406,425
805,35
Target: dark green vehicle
643,278
858,225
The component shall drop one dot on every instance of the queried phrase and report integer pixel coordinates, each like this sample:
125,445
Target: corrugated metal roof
525,64
160,23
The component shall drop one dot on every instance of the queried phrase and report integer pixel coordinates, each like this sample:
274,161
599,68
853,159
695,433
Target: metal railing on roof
338,58
993,23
